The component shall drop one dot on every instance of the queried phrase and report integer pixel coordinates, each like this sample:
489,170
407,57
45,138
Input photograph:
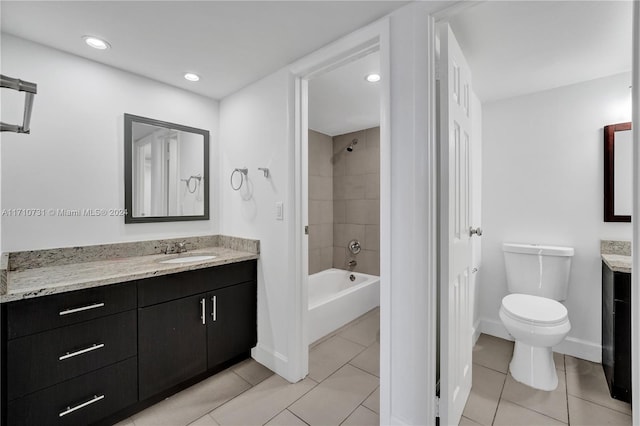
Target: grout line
492,369
499,399
364,371
566,389
294,414
600,405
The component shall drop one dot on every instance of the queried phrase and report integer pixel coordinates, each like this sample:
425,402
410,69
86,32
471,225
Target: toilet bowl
537,280
537,324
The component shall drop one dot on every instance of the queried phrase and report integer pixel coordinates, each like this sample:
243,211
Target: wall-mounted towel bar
30,89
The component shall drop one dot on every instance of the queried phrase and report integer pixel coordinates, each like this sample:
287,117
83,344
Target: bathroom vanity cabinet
182,337
99,355
616,332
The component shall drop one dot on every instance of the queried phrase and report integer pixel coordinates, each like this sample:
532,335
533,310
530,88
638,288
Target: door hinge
306,230
437,406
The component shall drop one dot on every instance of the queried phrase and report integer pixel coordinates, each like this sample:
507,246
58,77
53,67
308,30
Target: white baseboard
273,360
475,332
578,348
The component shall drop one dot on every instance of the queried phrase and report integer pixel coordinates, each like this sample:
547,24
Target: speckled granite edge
37,282
240,244
622,248
618,263
4,265
67,255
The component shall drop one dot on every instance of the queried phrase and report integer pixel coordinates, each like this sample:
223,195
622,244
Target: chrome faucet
352,263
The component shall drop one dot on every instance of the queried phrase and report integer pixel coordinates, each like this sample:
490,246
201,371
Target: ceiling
513,47
230,44
342,101
519,47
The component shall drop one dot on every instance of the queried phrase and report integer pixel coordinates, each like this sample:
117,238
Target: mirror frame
609,169
129,119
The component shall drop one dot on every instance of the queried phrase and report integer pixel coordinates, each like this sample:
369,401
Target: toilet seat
535,310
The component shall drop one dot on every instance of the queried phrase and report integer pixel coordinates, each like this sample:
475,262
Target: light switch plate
279,210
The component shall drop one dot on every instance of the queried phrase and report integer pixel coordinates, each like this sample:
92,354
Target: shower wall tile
320,259
372,237
354,187
339,211
340,257
343,233
321,187
357,211
372,186
356,194
320,202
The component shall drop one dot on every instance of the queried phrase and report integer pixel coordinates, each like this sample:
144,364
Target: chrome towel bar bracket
30,89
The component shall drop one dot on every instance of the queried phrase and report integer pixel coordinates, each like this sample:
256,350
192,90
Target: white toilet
537,278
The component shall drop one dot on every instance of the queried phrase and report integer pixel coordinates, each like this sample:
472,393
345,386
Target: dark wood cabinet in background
172,345
616,332
101,354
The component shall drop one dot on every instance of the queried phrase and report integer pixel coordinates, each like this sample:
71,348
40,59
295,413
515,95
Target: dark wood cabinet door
44,359
232,323
171,344
80,401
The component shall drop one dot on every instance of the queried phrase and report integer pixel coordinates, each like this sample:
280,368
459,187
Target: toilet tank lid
537,249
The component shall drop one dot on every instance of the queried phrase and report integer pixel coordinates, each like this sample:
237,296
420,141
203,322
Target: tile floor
582,396
342,388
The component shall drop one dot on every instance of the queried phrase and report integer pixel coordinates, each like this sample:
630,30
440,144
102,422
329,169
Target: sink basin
187,259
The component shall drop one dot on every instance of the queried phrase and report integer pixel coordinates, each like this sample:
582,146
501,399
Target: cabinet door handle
93,347
214,313
83,308
70,410
204,313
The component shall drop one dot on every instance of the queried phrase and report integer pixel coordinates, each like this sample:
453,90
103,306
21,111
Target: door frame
635,278
373,37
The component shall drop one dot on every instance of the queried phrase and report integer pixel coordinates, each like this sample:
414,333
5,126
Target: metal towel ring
243,173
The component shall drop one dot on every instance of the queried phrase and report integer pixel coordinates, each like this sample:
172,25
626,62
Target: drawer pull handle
214,314
204,313
70,410
82,351
83,308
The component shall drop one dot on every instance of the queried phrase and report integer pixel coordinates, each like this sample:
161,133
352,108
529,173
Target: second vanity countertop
46,280
617,255
617,262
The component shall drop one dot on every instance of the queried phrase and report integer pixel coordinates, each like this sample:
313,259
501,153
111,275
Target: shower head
350,147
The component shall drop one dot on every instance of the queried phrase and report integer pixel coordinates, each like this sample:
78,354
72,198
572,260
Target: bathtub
335,300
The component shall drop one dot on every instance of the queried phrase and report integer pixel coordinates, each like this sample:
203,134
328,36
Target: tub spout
352,263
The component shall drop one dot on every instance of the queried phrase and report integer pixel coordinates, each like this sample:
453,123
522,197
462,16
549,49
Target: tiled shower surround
344,200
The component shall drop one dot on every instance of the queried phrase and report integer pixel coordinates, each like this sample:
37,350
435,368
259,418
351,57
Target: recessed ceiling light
96,43
372,78
191,76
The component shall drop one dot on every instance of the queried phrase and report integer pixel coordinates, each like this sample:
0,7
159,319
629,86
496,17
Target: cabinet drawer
83,400
50,357
175,286
45,313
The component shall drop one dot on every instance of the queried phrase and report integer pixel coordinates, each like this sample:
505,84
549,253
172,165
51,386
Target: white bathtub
335,300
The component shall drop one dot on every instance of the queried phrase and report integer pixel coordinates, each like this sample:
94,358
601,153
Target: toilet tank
538,269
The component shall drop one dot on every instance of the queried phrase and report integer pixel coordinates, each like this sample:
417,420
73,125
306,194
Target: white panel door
455,303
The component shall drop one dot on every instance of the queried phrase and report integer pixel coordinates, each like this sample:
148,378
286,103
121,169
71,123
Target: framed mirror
618,172
166,168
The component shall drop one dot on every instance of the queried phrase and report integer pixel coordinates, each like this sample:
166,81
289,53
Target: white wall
74,156
543,183
255,132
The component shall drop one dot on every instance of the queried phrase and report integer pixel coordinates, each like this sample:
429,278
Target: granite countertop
56,278
617,255
618,262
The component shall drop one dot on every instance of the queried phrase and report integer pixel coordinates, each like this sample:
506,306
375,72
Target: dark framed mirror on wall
166,169
618,172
